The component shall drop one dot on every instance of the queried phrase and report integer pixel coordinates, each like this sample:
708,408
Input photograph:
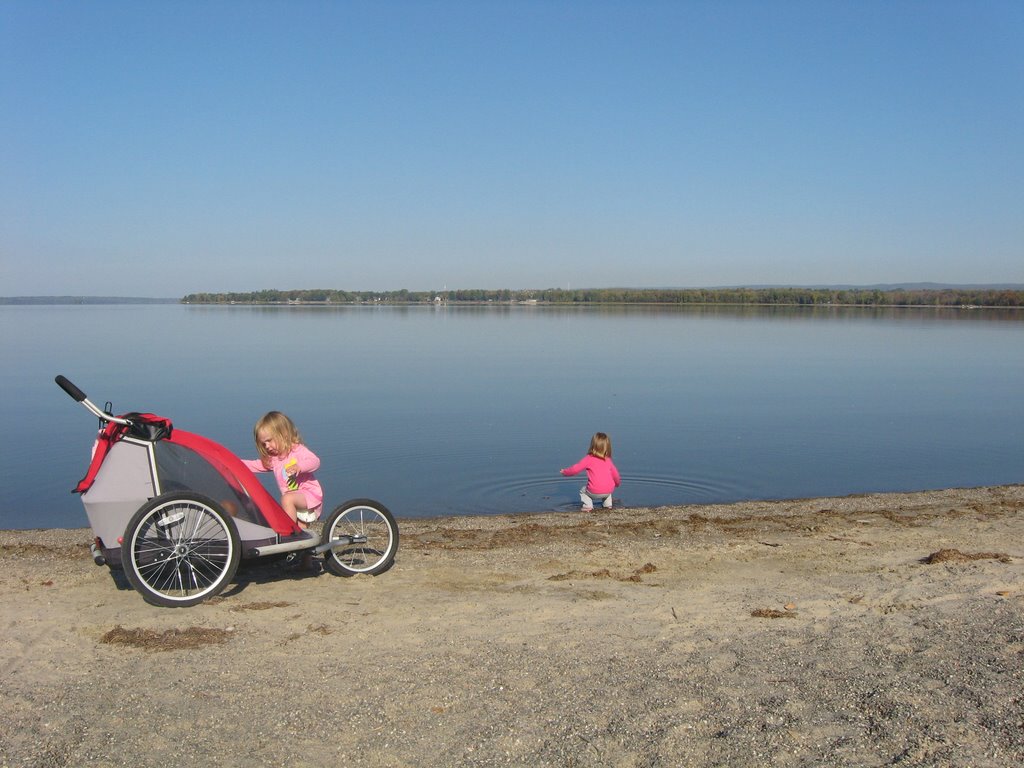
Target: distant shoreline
591,305
917,295
142,301
77,300
961,296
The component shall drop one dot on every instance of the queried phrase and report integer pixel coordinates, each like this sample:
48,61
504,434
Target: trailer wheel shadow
120,580
269,570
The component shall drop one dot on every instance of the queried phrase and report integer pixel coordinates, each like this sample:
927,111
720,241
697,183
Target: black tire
361,517
179,549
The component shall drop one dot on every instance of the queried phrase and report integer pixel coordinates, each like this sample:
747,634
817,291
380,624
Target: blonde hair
600,446
280,428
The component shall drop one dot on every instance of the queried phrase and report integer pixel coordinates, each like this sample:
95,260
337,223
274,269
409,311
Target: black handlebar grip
76,394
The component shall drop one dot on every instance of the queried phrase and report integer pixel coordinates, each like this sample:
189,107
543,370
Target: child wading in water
293,464
602,475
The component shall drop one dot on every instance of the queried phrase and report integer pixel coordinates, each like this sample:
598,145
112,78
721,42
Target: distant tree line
867,297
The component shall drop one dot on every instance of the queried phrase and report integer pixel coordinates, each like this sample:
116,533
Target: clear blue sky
161,148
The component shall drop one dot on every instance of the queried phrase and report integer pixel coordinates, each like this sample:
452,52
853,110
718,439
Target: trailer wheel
179,549
361,518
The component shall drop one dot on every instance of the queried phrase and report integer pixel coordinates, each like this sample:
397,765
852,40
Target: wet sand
862,631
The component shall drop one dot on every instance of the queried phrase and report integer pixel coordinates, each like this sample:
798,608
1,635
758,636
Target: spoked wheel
374,538
179,549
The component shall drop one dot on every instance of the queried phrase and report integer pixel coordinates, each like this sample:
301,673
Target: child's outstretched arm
255,465
575,469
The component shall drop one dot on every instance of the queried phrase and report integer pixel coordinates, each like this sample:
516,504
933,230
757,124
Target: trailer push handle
79,397
76,394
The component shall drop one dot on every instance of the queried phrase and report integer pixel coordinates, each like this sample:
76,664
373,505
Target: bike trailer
177,512
146,458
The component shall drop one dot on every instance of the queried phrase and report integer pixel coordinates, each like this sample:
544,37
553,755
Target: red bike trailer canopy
150,427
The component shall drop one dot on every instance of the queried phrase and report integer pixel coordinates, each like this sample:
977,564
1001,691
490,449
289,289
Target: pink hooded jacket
307,482
602,475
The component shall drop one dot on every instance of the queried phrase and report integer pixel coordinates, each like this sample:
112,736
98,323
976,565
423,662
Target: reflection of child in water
293,464
602,475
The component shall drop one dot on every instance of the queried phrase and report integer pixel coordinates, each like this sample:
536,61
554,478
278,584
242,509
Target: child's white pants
588,498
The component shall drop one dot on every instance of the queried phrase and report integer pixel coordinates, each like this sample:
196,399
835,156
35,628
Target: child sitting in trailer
293,464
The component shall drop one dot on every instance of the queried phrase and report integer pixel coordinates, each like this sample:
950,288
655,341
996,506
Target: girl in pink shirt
602,475
293,464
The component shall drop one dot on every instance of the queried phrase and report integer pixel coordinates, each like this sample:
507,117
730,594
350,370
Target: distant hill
84,300
890,287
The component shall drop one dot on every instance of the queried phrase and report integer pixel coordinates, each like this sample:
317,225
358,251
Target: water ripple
491,494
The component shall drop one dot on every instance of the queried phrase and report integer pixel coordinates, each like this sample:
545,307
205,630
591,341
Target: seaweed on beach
455,538
449,537
956,556
23,549
772,613
604,573
262,605
168,640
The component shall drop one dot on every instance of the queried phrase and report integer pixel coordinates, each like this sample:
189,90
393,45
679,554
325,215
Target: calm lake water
467,410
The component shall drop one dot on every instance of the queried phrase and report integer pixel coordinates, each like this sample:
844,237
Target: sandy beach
862,631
